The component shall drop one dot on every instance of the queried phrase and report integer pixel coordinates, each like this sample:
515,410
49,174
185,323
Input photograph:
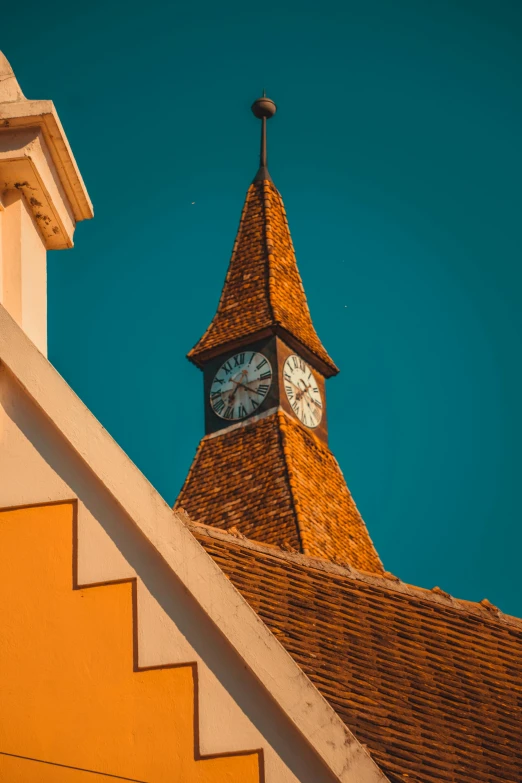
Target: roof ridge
290,478
267,236
331,523
483,609
321,520
271,191
353,501
291,242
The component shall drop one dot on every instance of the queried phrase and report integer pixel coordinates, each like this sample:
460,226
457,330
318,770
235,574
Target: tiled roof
276,482
263,289
432,686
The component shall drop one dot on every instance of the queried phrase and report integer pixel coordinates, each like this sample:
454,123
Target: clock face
302,391
240,385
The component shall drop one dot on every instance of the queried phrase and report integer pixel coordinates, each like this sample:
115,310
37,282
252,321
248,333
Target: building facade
252,633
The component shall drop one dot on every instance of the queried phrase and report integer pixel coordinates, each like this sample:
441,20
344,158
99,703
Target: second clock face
302,391
240,385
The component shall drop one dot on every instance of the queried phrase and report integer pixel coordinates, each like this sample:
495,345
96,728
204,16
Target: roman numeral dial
240,385
302,391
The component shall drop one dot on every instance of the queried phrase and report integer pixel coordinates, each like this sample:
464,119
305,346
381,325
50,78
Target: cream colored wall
23,261
235,712
11,256
42,196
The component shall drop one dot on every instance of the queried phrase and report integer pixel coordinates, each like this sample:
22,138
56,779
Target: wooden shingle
432,685
276,482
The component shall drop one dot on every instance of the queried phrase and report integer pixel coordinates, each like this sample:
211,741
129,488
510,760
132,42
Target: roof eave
201,357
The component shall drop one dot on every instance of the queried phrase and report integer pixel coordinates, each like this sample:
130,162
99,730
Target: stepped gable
278,483
263,292
431,685
69,660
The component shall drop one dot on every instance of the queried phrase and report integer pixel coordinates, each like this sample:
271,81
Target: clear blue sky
397,149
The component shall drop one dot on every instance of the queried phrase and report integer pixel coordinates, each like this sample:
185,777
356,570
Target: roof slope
263,288
277,483
431,685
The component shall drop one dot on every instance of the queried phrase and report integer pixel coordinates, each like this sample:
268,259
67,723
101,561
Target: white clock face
302,391
240,385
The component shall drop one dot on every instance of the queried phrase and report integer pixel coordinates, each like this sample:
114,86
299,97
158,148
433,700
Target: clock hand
315,411
300,392
297,388
307,392
315,402
229,394
248,388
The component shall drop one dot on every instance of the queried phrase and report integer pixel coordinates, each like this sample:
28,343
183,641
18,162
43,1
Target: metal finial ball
264,107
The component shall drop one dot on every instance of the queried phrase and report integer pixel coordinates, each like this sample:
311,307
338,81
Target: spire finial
263,109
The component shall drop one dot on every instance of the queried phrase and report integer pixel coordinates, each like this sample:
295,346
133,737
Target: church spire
263,293
264,467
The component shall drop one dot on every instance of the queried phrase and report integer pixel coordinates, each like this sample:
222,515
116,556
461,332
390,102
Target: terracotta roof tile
239,479
263,288
432,686
277,483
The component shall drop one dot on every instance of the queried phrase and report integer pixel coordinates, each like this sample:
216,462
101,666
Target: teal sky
397,150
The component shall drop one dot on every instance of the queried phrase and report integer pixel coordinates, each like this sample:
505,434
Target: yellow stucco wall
70,693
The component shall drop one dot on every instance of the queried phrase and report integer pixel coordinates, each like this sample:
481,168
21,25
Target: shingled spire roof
263,293
299,499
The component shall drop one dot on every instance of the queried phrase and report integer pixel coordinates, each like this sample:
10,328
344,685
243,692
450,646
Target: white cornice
42,114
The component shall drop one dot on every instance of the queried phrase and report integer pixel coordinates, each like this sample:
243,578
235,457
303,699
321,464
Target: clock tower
263,466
